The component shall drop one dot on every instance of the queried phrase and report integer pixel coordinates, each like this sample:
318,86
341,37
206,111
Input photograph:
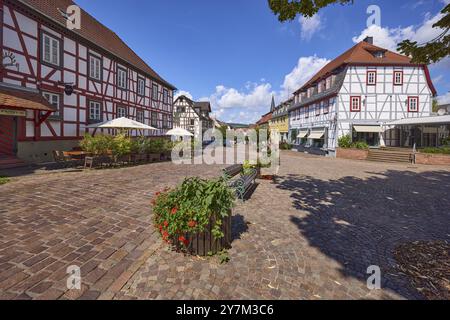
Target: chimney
368,40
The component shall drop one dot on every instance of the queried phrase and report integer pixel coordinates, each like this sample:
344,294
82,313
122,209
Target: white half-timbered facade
89,75
192,116
356,94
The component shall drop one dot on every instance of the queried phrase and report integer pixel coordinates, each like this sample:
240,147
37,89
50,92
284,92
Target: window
53,99
371,78
192,122
398,78
155,92
121,78
413,104
166,96
95,68
121,112
141,87
318,105
326,107
95,111
307,112
355,104
154,119
165,122
140,116
51,50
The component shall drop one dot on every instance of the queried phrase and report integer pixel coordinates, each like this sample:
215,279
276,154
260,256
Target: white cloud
250,102
183,93
310,26
444,99
305,69
390,37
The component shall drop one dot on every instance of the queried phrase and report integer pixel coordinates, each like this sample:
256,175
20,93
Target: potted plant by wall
121,148
195,217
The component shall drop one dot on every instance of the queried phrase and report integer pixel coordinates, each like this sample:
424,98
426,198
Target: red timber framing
74,67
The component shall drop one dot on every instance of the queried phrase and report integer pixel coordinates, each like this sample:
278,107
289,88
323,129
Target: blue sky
237,54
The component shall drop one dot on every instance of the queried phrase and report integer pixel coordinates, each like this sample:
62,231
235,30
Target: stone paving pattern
310,234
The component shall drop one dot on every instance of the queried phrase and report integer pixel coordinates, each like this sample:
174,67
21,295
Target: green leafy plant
285,146
121,145
4,180
224,257
97,145
441,150
345,141
191,207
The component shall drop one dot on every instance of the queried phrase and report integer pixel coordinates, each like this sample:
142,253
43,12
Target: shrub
97,145
3,180
121,145
285,146
190,207
345,141
441,150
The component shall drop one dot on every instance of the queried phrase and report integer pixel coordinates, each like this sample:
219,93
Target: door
8,136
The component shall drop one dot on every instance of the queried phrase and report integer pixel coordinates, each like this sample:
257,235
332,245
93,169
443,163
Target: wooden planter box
204,243
154,157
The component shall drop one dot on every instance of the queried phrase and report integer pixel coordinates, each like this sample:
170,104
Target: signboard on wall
12,113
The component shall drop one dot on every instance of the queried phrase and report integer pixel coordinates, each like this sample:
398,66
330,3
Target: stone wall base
41,151
432,159
352,154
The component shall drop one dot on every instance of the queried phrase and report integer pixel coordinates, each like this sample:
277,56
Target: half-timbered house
87,75
192,116
356,94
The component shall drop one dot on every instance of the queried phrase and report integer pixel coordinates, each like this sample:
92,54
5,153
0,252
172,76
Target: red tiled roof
94,31
361,53
23,99
265,118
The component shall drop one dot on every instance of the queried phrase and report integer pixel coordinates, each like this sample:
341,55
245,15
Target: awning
436,120
375,129
23,99
121,123
317,134
303,134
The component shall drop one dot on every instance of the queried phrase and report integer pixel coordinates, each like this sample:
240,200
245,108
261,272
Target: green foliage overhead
289,9
421,53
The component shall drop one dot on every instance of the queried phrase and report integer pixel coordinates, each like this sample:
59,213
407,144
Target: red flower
184,240
174,210
157,193
166,223
192,224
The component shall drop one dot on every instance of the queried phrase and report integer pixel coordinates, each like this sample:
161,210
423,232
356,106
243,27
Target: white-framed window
95,111
398,78
95,67
140,116
155,92
413,104
53,99
51,49
355,104
318,106
141,86
326,106
121,78
165,96
371,78
121,112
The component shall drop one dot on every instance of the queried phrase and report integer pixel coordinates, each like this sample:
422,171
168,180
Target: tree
426,53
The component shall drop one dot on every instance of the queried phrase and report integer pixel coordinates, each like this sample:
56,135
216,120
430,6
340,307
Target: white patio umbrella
121,123
179,132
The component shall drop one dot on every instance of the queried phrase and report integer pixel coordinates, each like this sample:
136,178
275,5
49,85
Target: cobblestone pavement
98,220
311,234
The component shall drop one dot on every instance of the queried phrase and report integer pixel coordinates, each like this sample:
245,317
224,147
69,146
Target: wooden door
7,136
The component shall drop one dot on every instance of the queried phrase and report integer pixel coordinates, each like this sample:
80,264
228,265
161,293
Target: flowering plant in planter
190,208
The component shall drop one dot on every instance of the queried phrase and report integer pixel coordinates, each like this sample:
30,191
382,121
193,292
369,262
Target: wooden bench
244,184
